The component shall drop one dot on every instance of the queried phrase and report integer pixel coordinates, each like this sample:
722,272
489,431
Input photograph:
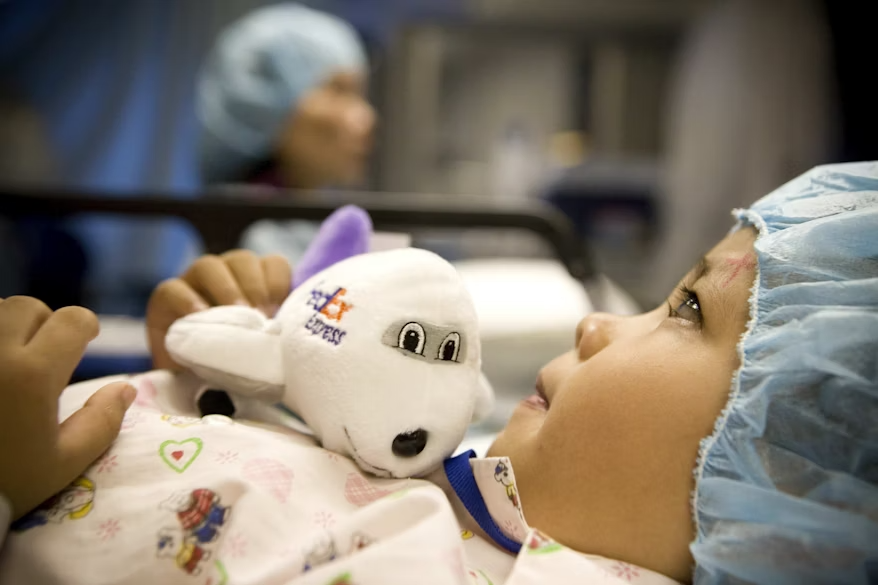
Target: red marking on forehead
736,265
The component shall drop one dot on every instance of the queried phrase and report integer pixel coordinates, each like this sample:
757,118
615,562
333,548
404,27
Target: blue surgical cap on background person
259,68
787,486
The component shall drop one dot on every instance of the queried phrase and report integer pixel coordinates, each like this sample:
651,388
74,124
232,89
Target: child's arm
39,350
237,277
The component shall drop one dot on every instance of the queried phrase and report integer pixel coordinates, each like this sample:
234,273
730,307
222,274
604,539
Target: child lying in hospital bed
599,460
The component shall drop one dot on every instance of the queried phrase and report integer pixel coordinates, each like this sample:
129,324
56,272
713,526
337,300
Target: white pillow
528,310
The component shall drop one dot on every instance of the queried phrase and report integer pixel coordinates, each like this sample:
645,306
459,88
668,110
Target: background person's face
328,138
607,467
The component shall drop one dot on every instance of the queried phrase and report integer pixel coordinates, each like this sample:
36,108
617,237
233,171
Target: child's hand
39,350
238,277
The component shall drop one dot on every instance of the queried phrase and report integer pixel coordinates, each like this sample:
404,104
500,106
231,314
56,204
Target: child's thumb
92,429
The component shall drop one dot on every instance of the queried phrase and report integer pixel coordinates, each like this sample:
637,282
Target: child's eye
689,309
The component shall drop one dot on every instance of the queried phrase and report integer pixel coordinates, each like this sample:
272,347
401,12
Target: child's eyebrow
702,269
737,265
714,290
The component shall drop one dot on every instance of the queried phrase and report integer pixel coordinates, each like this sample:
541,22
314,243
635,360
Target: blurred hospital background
638,123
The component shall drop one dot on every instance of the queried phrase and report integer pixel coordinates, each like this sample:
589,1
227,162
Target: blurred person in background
281,103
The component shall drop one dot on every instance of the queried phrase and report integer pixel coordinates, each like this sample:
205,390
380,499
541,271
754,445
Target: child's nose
594,333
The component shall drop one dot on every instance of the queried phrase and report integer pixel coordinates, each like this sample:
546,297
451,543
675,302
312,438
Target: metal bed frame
221,216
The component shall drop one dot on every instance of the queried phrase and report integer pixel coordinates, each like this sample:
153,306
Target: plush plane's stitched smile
363,463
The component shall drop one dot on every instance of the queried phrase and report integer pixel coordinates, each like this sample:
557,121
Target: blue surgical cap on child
257,71
787,486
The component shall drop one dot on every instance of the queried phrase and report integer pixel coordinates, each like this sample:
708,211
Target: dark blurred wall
752,106
852,28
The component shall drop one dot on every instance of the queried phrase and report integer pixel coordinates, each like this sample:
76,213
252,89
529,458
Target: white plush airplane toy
379,354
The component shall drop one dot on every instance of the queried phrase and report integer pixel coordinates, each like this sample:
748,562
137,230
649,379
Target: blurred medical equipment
459,98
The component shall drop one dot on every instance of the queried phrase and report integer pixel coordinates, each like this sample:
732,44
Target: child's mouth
537,402
541,390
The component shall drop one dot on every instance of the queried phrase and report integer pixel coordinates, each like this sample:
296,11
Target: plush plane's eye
449,348
412,338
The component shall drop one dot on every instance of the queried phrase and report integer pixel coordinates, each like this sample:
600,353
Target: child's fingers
21,318
63,339
247,270
161,359
278,279
171,300
213,280
91,430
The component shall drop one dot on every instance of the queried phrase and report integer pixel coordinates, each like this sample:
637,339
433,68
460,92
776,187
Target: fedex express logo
328,306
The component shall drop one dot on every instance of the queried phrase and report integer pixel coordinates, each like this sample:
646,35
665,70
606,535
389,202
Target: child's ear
484,399
231,348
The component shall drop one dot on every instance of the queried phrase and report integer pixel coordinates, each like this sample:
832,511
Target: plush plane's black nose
410,444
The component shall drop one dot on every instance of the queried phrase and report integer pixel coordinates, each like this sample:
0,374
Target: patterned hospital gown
211,501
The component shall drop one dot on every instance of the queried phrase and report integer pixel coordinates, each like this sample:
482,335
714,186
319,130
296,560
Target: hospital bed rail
220,216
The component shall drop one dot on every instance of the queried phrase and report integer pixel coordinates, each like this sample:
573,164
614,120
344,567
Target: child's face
607,467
